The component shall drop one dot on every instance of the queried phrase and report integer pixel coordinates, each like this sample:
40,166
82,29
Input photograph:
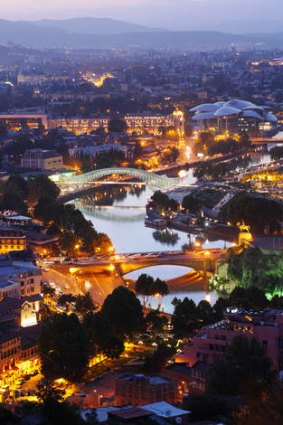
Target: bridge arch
199,265
153,180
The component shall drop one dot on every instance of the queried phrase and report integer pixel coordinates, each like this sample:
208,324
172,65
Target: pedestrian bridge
153,180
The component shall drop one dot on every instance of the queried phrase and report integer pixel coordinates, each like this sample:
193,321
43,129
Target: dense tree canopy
40,185
124,311
276,153
63,348
245,368
101,337
253,267
117,125
191,203
163,202
261,214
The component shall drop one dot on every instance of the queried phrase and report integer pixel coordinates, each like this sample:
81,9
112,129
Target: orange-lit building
11,240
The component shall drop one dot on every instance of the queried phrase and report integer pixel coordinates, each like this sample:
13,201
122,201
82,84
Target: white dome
205,107
224,111
252,114
204,116
270,117
220,103
239,104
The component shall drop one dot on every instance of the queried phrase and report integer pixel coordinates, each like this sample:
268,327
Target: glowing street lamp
112,267
73,270
87,285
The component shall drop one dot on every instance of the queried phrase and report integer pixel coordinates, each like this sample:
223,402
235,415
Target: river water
119,211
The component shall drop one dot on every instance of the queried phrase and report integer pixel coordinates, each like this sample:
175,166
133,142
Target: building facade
212,341
11,240
140,389
40,159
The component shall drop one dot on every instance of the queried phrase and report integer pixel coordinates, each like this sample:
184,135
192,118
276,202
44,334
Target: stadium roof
242,108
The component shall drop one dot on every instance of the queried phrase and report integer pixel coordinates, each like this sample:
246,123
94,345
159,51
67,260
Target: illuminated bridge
153,180
202,260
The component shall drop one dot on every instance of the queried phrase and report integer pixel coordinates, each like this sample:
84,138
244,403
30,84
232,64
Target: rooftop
151,380
165,410
234,107
129,413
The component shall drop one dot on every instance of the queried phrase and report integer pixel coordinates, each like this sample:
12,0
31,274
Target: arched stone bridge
202,260
153,180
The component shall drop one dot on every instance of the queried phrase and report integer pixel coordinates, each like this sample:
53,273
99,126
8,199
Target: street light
87,285
112,267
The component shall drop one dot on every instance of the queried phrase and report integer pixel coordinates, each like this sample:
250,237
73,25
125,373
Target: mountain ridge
31,34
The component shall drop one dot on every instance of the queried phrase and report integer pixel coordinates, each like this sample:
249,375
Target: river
119,211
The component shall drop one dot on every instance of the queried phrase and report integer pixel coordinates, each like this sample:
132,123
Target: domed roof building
235,115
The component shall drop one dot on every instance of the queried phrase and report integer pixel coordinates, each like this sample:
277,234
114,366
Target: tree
68,242
84,304
250,298
13,201
63,348
117,125
65,300
205,407
170,154
160,288
163,202
184,319
276,153
158,360
254,267
46,209
155,321
219,308
205,139
3,129
261,214
52,407
144,286
46,391
244,369
124,312
100,335
16,185
40,185
7,417
112,346
205,312
101,244
191,203
265,409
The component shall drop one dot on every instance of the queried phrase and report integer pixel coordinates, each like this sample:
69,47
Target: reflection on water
166,237
196,292
123,220
196,296
163,272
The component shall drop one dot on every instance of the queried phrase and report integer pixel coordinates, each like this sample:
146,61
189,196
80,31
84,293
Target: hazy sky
177,14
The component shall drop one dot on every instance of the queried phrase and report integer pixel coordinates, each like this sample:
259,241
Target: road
212,254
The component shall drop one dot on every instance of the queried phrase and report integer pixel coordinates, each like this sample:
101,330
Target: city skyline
174,15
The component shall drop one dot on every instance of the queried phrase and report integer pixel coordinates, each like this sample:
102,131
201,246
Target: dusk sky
174,14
